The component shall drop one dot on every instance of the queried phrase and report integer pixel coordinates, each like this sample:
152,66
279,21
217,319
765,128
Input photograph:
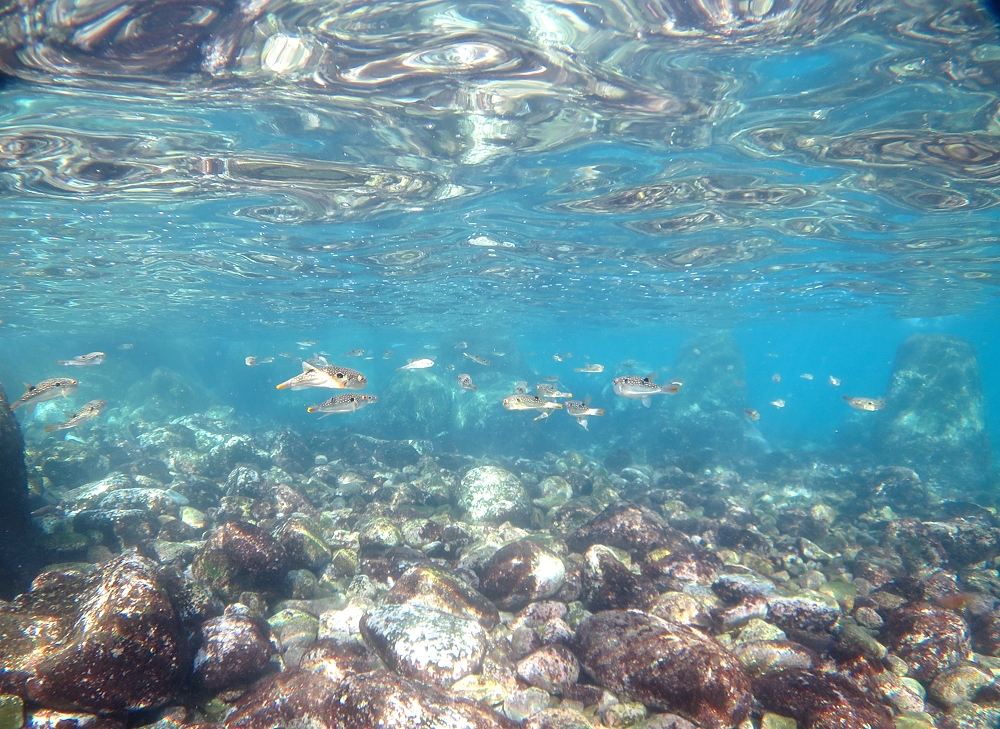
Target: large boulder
107,642
934,419
20,555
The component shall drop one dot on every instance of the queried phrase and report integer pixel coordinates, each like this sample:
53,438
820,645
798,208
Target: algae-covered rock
491,495
934,419
240,556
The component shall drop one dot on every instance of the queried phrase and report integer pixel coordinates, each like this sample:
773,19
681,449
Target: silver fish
522,401
550,391
84,360
254,361
44,391
355,353
641,388
91,410
581,410
307,343
337,378
465,382
417,364
347,403
589,369
477,359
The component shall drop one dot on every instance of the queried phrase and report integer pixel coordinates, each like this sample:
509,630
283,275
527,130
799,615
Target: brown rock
820,700
629,527
930,639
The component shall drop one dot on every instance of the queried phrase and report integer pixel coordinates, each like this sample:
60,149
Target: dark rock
426,644
290,699
397,453
112,641
666,666
608,584
20,553
934,419
896,487
431,587
820,700
735,588
955,542
290,453
802,613
303,542
683,569
519,573
234,649
336,660
629,527
930,639
617,459
244,481
552,668
238,557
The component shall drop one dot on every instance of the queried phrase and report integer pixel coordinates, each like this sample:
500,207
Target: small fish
520,387
864,403
125,347
44,391
417,364
775,377
347,403
450,368
355,353
772,355
635,387
557,357
337,378
779,403
696,351
544,414
835,381
498,353
581,410
84,360
387,354
91,410
549,392
462,345
477,359
806,376
431,346
465,382
751,413
522,401
552,378
254,361
589,369
307,343
289,355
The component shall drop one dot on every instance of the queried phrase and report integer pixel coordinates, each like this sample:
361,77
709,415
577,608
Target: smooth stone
11,712
666,666
426,644
768,656
335,660
519,573
551,668
491,495
235,648
956,685
520,705
432,587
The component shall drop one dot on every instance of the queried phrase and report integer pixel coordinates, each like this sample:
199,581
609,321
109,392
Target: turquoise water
609,178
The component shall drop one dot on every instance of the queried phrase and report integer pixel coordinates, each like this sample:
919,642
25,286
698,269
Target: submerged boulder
491,495
934,419
20,556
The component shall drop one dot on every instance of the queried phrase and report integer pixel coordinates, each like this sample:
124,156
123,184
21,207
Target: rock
244,481
20,553
558,719
768,656
234,649
957,685
552,669
290,453
296,632
682,570
491,495
629,527
608,584
335,660
52,719
112,643
426,644
802,613
431,587
666,666
239,557
820,700
956,543
290,699
934,419
930,639
522,704
11,707
303,542
519,573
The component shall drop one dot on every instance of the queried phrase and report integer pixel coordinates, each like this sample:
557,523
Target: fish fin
646,401
846,398
583,422
600,411
652,376
30,408
324,415
307,366
28,387
50,428
671,389
586,401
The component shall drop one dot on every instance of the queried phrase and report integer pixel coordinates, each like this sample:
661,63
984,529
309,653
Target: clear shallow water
210,181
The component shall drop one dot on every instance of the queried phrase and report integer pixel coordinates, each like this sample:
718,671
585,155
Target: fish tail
50,428
600,411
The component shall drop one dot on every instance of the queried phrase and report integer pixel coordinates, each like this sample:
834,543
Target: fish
775,377
387,354
581,410
589,369
126,346
522,401
520,387
462,345
865,403
450,367
347,403
751,413
549,392
431,346
289,355
835,381
635,387
557,357
417,364
44,391
337,378
465,382
544,414
477,359
779,403
307,343
84,360
806,376
254,361
91,410
355,353
498,353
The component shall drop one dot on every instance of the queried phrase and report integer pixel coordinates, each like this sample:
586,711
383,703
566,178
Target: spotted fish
84,360
91,410
529,402
337,378
44,391
465,382
347,403
642,388
581,410
865,403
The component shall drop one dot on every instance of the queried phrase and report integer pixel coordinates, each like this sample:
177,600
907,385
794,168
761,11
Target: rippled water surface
427,163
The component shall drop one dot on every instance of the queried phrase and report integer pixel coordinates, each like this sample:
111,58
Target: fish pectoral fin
647,401
50,428
306,366
30,408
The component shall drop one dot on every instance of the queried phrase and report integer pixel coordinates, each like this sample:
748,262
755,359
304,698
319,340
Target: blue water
561,177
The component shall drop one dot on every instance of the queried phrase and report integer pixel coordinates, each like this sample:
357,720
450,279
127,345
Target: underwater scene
481,364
